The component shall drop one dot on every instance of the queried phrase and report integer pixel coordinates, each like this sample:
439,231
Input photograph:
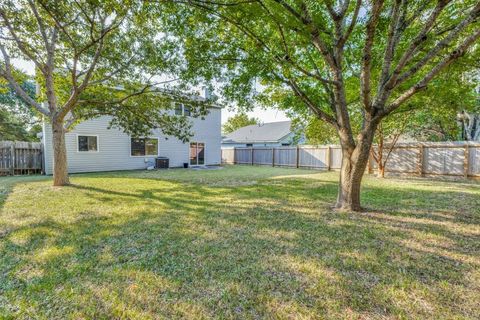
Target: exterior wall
114,146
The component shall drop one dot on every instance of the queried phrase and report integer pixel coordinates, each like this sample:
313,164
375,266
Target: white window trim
145,156
175,108
183,109
88,135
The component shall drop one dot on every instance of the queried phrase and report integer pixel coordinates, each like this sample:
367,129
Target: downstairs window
143,147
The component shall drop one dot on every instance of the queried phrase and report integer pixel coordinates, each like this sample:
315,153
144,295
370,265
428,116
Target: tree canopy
238,121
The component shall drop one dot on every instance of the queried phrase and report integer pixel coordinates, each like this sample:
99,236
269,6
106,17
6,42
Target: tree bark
354,164
60,172
381,171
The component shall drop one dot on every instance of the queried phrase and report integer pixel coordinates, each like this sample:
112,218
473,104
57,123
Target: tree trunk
381,171
60,172
354,164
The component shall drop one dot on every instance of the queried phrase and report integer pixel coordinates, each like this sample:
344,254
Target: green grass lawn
242,242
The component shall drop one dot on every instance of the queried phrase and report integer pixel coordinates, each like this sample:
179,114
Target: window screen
87,143
144,147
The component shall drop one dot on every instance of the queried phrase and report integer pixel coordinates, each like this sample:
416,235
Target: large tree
91,58
331,56
238,121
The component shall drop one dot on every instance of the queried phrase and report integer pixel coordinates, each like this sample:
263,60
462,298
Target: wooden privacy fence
20,157
321,157
446,158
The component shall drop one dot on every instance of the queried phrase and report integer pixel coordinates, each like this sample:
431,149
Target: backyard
241,242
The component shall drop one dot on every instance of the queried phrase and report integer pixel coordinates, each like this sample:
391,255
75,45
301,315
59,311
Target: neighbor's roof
267,132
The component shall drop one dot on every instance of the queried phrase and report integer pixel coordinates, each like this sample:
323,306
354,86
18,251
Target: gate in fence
445,158
19,157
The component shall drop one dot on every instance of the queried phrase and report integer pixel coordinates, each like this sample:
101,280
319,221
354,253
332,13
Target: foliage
265,44
243,242
18,121
319,132
238,121
107,58
429,116
11,128
437,109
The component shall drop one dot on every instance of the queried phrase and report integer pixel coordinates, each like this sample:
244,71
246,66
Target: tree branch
309,103
7,74
21,45
440,45
389,85
365,76
352,24
422,84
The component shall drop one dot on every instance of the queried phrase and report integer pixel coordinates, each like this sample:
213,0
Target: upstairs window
87,143
186,111
182,110
179,109
143,147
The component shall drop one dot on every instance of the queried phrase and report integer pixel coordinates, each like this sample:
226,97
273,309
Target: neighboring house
91,146
273,134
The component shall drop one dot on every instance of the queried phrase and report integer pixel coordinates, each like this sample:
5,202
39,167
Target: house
92,146
273,134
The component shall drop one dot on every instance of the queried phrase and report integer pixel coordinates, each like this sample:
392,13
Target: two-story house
92,146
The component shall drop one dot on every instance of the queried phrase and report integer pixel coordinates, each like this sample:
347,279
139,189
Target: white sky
265,115
268,115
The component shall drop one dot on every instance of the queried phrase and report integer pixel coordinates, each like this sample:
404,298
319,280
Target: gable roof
267,132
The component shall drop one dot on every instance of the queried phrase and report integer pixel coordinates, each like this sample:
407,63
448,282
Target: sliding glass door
197,153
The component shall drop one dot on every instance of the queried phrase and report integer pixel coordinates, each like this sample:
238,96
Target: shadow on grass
273,248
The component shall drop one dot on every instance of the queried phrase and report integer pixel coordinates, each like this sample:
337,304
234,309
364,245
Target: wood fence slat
20,157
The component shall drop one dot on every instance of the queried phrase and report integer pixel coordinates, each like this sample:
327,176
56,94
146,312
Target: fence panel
474,161
263,156
243,155
286,157
314,158
445,158
336,158
401,160
228,156
20,157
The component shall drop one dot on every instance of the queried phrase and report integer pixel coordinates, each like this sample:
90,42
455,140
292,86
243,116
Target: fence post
466,161
298,155
328,156
273,157
12,158
251,154
420,160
